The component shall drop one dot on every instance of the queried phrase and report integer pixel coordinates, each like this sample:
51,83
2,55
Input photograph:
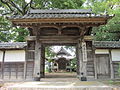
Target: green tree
110,31
49,52
20,7
5,30
9,33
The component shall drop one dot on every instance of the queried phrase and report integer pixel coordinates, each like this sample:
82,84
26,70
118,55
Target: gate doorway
60,62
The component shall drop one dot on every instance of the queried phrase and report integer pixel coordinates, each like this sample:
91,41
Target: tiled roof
106,44
97,44
63,52
60,13
13,45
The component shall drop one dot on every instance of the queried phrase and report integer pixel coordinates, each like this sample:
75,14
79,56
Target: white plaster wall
1,56
115,54
15,56
101,51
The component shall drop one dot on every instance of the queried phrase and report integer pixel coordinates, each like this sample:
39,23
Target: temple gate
60,27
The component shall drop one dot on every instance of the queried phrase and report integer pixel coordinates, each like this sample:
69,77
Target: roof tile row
67,13
97,44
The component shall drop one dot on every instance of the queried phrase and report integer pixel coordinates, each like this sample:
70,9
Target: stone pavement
60,83
89,85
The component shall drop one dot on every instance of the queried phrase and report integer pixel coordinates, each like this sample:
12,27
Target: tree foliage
110,31
49,52
5,32
9,33
20,7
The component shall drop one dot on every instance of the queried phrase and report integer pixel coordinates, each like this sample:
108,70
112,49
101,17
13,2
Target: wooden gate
103,66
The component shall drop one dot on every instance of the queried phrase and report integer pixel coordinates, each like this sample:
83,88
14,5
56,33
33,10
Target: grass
117,83
112,82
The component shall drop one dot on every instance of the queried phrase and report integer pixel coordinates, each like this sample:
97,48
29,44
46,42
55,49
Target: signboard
84,52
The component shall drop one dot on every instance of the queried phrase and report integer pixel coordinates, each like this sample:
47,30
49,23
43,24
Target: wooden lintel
59,42
58,37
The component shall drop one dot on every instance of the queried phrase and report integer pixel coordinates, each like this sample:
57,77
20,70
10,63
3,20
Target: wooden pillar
77,56
42,61
82,57
95,63
2,64
37,60
111,65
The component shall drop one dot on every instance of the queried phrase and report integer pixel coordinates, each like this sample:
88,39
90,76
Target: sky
27,1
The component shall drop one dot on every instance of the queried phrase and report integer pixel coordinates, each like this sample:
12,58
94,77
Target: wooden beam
111,65
61,20
70,26
56,25
58,37
49,26
59,42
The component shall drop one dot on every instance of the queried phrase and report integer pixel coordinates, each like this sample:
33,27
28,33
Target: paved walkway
60,83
